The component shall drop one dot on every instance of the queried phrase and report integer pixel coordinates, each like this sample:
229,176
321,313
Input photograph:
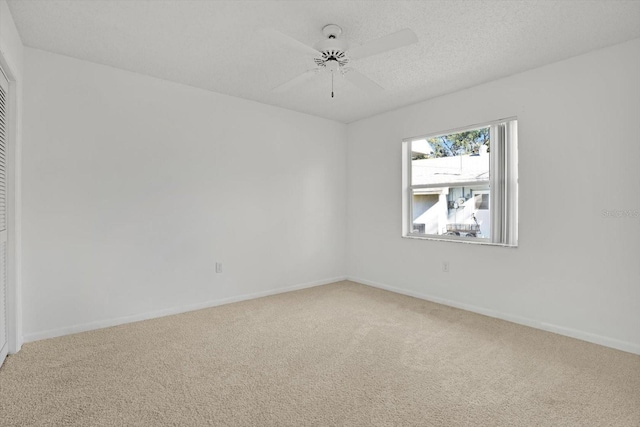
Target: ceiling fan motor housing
332,49
331,58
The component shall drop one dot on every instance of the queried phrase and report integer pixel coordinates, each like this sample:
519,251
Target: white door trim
14,192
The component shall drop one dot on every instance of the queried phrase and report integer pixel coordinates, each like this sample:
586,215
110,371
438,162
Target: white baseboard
169,311
573,333
561,330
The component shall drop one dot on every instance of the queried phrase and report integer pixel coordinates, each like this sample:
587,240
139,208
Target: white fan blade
363,82
302,78
291,42
383,44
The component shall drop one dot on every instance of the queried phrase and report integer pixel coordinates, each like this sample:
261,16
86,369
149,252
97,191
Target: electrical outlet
445,266
218,267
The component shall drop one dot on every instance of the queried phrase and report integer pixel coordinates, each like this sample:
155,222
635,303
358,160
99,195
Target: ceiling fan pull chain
332,84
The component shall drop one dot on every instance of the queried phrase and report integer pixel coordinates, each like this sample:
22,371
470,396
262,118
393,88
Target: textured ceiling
221,45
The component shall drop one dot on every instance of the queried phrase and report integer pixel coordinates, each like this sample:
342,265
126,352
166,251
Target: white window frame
503,184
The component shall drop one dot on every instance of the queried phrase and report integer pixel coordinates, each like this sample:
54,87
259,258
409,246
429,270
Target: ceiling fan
334,55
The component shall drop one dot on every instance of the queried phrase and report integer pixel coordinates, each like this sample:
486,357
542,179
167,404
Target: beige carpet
341,354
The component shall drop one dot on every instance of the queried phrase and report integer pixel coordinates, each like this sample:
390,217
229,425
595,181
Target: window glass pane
456,211
447,159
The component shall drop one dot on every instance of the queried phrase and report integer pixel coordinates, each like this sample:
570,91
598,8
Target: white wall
134,187
11,61
10,43
575,273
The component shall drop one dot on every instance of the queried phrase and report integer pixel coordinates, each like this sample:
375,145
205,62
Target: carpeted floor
337,355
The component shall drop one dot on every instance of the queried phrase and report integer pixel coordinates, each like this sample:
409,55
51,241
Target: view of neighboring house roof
445,170
421,146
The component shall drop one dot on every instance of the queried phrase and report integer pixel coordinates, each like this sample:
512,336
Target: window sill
456,239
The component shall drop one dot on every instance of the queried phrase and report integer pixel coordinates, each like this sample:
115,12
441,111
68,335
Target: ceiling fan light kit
334,54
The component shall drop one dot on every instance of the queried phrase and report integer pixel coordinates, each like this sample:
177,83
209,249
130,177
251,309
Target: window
462,185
